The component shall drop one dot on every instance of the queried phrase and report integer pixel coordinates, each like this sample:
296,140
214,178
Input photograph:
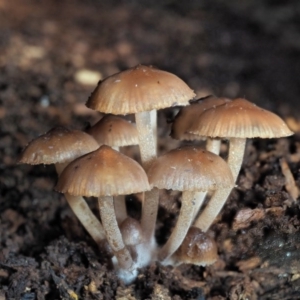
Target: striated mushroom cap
189,114
142,88
190,168
59,145
240,119
104,172
197,249
114,131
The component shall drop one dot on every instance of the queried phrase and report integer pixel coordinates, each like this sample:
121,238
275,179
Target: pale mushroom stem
199,199
113,234
119,202
181,228
147,144
212,209
218,199
149,214
213,145
236,155
120,208
153,118
84,214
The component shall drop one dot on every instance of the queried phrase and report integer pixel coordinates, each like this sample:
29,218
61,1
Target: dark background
233,48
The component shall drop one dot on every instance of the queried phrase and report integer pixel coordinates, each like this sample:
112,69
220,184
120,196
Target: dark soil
229,48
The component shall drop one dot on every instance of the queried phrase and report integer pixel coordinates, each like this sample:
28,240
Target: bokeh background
53,52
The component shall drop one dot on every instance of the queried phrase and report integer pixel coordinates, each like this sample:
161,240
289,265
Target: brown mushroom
132,235
188,114
60,146
105,173
188,169
115,132
139,91
197,249
236,120
184,120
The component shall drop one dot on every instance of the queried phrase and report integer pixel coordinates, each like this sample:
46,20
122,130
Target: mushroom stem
119,201
113,234
213,145
86,218
146,138
181,227
82,211
153,118
149,214
236,155
218,199
199,199
60,167
212,209
147,144
120,208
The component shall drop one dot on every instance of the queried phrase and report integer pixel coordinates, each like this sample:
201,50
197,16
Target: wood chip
244,217
249,264
290,184
295,277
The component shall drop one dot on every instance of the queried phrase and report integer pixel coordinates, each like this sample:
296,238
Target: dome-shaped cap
139,89
131,232
188,114
104,172
190,168
197,249
114,131
59,145
240,119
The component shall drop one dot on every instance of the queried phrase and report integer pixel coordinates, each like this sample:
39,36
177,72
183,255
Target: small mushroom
188,169
139,91
131,231
236,120
60,146
197,249
115,132
188,114
105,173
184,120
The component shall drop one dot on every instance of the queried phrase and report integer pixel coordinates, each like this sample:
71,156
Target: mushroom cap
139,89
240,119
190,168
188,114
131,232
58,145
114,131
103,172
197,248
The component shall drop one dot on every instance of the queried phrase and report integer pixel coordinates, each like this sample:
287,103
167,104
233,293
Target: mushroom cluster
90,164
